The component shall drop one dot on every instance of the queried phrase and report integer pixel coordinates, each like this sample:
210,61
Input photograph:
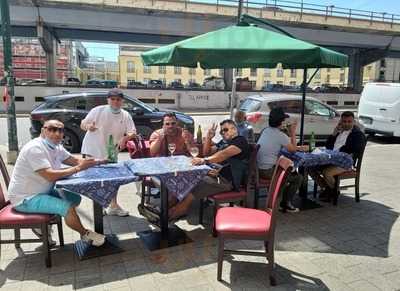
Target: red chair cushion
242,221
231,195
9,216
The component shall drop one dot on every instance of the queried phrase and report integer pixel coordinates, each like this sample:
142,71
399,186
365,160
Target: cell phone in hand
216,166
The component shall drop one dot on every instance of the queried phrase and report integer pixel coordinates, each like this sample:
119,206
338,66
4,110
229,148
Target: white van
379,108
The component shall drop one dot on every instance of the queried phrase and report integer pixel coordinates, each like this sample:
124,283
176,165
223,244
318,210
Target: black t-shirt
242,157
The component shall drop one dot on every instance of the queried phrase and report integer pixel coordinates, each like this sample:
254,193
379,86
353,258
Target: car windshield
250,105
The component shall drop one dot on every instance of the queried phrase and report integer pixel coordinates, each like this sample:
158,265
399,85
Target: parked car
273,88
72,108
110,84
319,117
135,84
33,82
193,85
94,83
244,84
71,81
379,109
155,84
327,89
214,83
175,85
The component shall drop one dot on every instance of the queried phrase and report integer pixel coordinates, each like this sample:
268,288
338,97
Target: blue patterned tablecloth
176,172
324,157
99,183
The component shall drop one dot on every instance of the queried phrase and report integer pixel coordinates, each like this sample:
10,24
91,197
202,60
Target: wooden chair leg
269,250
357,189
17,237
220,257
336,191
60,231
315,189
45,238
201,211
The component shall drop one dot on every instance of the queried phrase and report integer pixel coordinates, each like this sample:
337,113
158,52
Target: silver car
319,117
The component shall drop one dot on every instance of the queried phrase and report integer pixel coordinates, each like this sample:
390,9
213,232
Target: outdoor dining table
177,177
100,184
306,161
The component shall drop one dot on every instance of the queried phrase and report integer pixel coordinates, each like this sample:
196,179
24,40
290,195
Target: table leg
167,236
111,245
303,192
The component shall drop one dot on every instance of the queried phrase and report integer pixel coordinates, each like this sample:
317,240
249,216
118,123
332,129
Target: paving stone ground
354,246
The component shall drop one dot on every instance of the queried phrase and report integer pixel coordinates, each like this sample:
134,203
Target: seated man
271,141
244,128
38,167
347,138
170,133
232,152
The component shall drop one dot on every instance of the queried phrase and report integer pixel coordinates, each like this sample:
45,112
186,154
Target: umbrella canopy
244,46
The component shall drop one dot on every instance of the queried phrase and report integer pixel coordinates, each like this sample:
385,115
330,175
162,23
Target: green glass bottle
199,136
312,141
111,152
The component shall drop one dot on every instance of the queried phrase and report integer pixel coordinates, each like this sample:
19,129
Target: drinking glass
171,148
194,151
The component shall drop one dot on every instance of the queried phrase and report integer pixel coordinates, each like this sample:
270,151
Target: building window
130,67
178,80
267,72
292,83
239,72
146,69
253,72
279,73
207,72
192,71
177,70
341,77
280,82
383,63
267,83
162,69
293,73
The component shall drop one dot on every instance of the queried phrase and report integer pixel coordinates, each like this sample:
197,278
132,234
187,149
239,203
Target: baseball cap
277,114
115,93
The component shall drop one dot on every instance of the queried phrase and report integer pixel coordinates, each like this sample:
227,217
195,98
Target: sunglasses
170,123
223,130
55,129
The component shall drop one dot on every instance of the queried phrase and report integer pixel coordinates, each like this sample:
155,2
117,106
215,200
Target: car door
319,119
291,107
145,125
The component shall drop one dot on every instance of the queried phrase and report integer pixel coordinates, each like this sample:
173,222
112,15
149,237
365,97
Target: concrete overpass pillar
355,78
49,45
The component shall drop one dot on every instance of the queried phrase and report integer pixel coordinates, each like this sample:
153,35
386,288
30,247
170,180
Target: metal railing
276,6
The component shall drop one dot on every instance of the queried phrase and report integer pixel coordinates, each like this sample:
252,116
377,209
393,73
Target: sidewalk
354,246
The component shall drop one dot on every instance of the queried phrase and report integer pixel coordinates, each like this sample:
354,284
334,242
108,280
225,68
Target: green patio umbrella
245,46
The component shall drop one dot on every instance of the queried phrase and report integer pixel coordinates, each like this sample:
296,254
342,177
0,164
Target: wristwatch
206,160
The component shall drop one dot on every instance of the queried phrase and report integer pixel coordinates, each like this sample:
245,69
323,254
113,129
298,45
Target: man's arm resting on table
53,175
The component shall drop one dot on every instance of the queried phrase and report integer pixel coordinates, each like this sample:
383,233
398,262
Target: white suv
319,117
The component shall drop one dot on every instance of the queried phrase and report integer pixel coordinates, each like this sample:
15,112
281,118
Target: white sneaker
38,233
117,211
93,238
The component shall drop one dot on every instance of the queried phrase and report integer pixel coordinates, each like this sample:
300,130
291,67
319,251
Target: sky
110,51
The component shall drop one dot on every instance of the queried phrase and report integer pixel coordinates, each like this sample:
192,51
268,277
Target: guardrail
275,6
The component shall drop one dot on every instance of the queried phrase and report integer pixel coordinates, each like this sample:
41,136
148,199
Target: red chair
253,224
11,219
4,172
232,197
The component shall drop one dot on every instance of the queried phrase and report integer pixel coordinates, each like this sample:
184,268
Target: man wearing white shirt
347,138
37,168
101,122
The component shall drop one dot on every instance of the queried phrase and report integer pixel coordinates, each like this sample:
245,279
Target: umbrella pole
303,104
233,102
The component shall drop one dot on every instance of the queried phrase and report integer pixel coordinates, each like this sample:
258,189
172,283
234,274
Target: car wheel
71,142
144,131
